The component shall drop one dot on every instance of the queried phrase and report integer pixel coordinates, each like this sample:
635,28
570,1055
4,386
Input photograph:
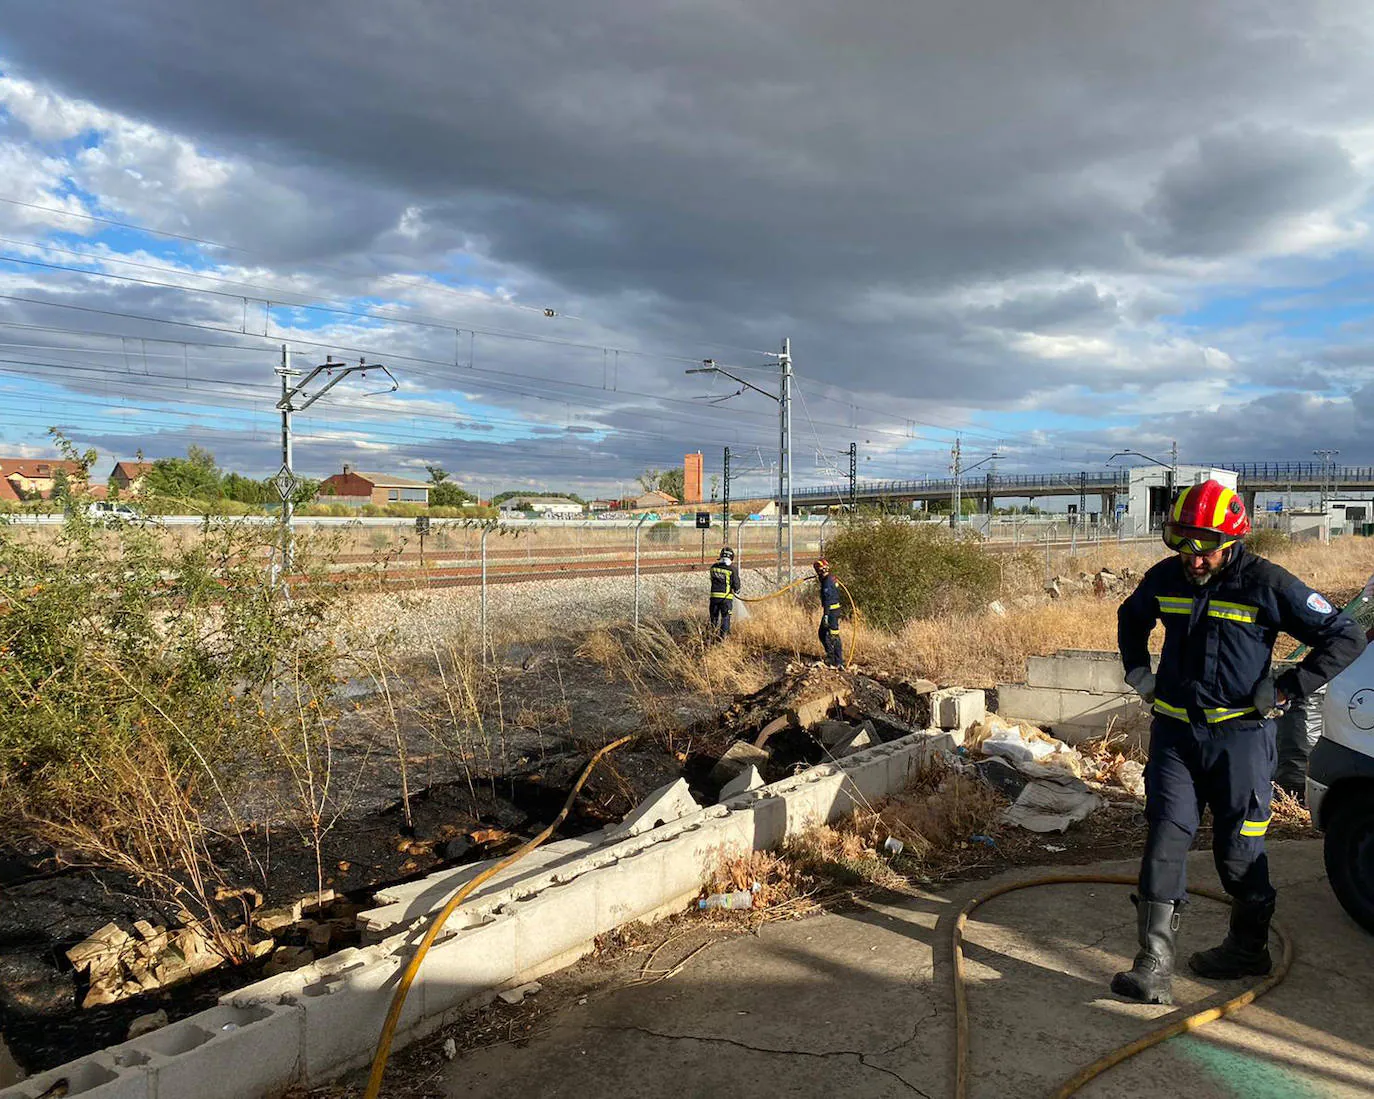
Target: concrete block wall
317,1022
1078,694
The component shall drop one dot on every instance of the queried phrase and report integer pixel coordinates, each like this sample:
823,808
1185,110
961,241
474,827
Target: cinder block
557,919
98,1076
238,1052
954,709
1078,671
467,964
344,1007
1054,707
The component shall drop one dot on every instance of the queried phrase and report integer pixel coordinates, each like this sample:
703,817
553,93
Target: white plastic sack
1010,744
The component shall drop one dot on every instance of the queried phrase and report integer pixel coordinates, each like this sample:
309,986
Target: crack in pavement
764,1049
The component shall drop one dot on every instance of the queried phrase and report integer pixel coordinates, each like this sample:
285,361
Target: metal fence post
1047,555
637,528
485,532
823,522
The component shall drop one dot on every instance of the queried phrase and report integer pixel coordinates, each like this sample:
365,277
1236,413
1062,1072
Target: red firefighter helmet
821,565
1206,518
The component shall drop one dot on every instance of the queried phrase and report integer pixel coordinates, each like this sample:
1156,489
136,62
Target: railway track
564,568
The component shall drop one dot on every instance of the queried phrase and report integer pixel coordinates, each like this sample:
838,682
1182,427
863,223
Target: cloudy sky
1057,229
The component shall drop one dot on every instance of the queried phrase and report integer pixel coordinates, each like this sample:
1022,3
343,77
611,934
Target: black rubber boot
1149,978
1245,950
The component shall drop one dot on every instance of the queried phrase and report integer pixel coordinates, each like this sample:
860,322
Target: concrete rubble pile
120,964
818,713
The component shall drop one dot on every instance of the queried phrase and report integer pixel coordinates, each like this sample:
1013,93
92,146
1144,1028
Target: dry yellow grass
983,649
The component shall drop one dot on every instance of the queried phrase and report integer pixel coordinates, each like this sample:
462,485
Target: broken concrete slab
830,732
856,742
667,803
736,758
742,783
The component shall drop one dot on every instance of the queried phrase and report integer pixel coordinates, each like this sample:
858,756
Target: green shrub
1266,540
897,571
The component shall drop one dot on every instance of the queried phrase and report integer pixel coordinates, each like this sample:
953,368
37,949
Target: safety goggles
1193,540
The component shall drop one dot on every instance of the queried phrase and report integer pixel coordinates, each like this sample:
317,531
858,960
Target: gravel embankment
418,619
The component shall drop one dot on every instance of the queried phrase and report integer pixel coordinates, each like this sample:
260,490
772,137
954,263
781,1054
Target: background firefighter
1212,740
725,584
829,632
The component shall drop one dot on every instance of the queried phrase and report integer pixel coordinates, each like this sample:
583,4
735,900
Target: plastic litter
893,846
741,898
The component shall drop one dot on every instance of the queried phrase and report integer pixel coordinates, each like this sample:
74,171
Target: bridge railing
1299,472
1002,484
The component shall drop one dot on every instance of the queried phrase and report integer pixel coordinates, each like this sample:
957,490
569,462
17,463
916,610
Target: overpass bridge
1108,484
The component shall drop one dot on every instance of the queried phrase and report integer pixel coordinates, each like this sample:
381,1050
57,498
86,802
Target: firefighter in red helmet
1212,738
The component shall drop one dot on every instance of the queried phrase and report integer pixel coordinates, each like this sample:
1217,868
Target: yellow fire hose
1153,1038
393,1016
853,608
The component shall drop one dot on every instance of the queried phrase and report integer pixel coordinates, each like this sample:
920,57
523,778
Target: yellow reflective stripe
1255,828
1236,612
1232,616
1174,604
1164,708
1178,506
832,606
1224,498
1219,715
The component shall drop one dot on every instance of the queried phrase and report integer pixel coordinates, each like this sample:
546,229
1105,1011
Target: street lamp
784,400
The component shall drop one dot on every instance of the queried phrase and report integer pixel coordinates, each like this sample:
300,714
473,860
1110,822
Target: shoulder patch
1317,602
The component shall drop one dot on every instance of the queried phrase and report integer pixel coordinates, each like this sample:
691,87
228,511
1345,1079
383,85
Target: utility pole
1328,461
784,399
725,504
956,504
1173,469
785,456
853,478
285,480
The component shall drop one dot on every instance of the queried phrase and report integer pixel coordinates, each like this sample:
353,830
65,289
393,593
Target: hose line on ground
853,608
1153,1038
393,1016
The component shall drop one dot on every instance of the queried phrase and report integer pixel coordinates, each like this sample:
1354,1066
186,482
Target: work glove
1266,698
1142,681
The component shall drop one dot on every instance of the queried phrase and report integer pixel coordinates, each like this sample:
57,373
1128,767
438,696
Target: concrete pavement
858,1004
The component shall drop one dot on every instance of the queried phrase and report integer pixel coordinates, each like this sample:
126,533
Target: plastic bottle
741,898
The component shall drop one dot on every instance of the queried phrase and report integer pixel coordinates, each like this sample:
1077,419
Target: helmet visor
1196,541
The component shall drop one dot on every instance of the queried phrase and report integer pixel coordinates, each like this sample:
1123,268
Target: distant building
128,476
354,488
33,478
691,478
545,507
655,499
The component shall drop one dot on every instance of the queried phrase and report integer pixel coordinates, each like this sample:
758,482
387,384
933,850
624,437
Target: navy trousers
720,615
829,635
1230,771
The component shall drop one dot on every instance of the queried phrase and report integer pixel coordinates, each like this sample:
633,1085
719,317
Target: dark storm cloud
734,172
1237,187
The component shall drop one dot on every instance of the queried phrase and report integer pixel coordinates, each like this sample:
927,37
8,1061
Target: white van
1340,787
